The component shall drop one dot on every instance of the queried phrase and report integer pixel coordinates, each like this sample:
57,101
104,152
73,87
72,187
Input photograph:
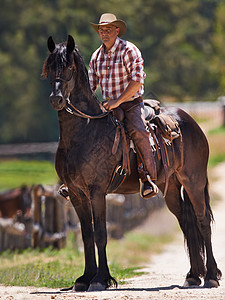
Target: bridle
70,108
58,78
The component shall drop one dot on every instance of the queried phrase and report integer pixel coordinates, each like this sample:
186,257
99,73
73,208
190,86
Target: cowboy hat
106,19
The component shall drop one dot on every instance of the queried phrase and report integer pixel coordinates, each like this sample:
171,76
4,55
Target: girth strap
165,159
118,116
116,139
126,148
125,145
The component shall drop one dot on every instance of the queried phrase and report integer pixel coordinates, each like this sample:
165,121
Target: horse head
60,66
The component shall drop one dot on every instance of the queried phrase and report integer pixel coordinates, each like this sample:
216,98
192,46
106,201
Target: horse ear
70,44
51,44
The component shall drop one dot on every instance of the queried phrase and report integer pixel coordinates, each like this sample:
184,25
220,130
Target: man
117,67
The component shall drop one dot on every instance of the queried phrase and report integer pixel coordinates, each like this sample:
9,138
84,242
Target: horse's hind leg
213,274
175,204
197,222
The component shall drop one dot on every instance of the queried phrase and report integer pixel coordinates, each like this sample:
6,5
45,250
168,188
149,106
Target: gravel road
165,274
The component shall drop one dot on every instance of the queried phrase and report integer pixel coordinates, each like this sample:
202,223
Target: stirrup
63,191
148,189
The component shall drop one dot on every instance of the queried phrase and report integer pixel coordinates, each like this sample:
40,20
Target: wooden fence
52,217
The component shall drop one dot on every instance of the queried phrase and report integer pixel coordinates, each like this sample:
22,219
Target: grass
216,139
59,268
217,131
15,173
36,268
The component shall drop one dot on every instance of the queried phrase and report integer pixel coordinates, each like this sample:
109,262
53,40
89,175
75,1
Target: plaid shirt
114,70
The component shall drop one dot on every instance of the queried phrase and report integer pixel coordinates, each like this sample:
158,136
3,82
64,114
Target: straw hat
106,19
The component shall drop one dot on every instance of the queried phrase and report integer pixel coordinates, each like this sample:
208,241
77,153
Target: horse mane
60,59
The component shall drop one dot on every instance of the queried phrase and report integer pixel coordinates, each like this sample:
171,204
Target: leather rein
70,108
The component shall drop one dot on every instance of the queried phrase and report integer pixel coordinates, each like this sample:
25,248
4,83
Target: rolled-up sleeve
135,65
93,78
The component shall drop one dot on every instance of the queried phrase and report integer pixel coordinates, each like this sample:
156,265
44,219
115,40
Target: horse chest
89,163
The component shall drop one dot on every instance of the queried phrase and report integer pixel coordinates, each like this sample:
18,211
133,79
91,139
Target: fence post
37,193
222,102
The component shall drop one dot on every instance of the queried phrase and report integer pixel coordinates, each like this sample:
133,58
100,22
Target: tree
175,40
218,42
181,42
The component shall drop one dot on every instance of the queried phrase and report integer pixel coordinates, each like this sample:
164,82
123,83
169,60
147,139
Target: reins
70,108
126,161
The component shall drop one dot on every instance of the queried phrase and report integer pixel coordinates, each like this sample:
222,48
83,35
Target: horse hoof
191,282
80,287
96,286
211,284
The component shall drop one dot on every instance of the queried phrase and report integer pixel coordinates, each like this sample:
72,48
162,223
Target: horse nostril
57,102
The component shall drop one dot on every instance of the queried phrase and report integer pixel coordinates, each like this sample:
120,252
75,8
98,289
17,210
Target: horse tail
193,238
209,212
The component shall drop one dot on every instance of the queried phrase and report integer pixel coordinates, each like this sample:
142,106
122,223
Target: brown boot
135,125
148,188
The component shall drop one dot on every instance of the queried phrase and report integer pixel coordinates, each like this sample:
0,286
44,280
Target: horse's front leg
83,210
103,279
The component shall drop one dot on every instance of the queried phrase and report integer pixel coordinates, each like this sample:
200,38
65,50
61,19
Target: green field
216,139
59,268
15,173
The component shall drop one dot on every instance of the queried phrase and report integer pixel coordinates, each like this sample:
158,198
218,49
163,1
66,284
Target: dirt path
165,274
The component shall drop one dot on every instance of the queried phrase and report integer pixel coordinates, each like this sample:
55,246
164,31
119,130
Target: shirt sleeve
135,64
93,78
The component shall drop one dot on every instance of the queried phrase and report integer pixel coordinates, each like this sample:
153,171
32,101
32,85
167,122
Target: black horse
84,162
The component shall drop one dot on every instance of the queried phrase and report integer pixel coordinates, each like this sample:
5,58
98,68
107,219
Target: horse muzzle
58,102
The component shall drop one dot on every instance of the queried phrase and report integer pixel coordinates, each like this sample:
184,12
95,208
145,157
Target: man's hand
111,104
127,95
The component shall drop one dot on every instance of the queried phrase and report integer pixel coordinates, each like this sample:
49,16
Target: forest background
182,43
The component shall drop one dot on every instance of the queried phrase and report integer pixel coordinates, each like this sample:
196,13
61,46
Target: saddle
168,126
162,128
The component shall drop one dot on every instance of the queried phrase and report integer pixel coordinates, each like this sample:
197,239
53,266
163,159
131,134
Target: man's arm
132,88
93,78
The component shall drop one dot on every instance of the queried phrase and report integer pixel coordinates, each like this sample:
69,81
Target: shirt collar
113,49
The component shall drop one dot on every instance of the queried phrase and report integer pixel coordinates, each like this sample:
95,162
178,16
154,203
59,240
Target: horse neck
85,101
82,96
76,129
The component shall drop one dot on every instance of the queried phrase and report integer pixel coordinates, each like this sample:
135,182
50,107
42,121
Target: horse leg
83,210
174,203
199,217
213,274
103,279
